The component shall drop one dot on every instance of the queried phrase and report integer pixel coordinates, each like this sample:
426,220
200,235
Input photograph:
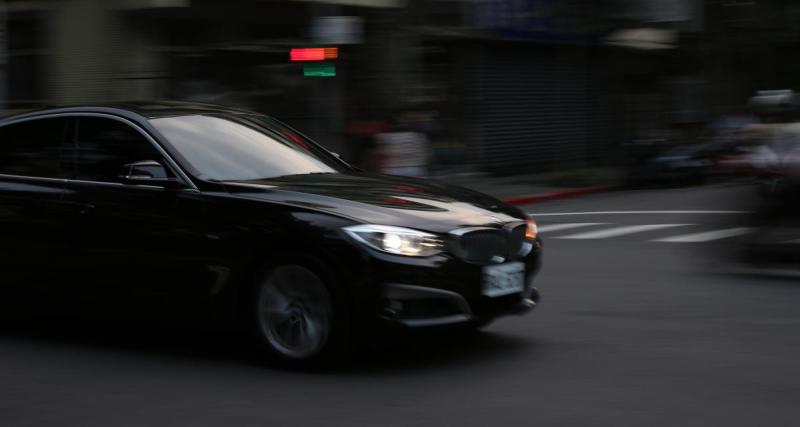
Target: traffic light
323,69
313,53
314,58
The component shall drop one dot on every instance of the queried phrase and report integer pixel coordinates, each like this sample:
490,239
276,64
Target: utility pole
327,99
3,56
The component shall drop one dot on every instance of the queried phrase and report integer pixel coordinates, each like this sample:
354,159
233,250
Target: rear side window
33,148
104,146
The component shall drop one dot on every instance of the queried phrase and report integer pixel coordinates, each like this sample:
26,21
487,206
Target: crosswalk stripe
568,226
684,212
619,231
708,235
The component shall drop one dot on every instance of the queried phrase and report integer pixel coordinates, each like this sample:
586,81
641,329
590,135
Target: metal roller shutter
533,108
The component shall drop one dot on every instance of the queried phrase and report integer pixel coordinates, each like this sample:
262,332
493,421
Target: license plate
503,279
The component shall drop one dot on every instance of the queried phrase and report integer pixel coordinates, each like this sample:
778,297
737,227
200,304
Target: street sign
338,30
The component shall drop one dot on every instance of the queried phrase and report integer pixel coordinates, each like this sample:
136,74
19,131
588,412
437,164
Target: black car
684,164
180,203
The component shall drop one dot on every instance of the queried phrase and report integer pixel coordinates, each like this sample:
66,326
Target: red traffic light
313,53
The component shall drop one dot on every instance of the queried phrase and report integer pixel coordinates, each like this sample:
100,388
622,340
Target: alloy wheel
295,311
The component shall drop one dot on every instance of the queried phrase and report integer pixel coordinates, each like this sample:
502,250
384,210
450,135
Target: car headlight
532,230
396,240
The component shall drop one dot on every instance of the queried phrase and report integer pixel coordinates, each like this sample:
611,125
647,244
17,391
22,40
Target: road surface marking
619,231
635,213
568,226
708,235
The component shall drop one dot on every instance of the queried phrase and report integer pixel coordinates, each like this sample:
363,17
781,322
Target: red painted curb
554,195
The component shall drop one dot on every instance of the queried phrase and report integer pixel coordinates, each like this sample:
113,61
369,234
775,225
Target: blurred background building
501,86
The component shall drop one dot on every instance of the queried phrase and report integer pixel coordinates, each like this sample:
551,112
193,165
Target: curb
554,195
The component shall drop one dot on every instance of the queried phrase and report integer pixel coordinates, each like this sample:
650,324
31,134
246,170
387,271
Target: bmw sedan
187,202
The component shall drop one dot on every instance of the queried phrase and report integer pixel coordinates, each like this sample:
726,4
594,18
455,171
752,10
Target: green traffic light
319,70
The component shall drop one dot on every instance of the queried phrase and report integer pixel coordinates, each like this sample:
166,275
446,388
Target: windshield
243,147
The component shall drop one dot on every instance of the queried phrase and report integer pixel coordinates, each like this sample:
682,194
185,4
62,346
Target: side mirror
148,172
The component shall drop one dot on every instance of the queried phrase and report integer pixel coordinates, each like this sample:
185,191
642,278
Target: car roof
146,109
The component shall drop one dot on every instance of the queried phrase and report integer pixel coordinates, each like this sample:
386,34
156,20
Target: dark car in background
185,203
686,164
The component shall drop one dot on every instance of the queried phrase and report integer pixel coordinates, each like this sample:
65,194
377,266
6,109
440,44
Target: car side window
33,148
103,147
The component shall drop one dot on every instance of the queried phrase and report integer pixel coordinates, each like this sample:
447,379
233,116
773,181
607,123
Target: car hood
382,199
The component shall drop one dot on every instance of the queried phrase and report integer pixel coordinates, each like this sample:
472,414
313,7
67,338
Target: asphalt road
632,330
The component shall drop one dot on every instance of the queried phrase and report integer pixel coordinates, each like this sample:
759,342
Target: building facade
515,86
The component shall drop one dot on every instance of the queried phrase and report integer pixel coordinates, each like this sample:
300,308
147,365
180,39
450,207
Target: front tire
296,314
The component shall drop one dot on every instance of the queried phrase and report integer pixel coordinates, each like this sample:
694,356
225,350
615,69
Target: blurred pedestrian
778,151
402,150
777,156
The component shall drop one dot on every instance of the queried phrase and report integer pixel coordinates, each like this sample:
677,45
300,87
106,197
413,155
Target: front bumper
438,290
419,306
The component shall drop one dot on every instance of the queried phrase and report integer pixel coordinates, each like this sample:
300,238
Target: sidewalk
527,189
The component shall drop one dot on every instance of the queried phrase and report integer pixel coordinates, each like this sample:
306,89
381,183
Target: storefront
528,93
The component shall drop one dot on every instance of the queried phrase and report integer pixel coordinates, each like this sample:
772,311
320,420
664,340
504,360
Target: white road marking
568,226
636,213
619,231
708,235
